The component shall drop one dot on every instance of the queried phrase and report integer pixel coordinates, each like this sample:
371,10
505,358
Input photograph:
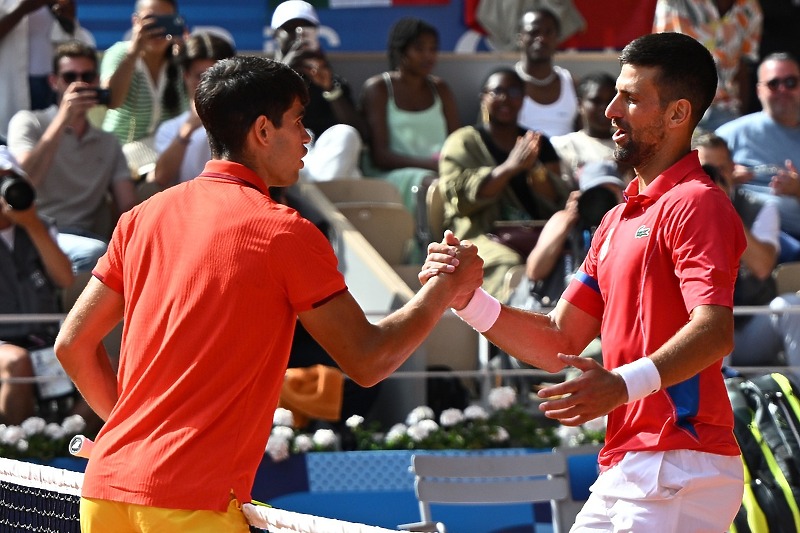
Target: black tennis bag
765,412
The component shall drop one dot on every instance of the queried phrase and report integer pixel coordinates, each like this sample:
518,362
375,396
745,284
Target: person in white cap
336,127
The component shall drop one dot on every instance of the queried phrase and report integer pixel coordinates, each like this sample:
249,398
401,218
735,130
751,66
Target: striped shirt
137,117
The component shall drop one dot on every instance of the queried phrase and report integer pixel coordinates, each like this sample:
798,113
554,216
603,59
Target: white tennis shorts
677,491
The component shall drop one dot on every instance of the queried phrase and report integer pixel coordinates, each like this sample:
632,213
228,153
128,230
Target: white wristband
481,312
641,378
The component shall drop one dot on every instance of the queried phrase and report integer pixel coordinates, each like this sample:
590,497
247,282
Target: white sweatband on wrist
641,378
481,312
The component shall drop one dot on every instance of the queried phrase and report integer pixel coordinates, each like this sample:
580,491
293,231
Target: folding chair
360,190
388,227
481,479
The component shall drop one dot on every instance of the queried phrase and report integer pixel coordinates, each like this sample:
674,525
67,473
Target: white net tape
65,482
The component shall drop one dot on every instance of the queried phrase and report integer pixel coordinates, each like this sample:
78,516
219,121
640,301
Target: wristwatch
335,92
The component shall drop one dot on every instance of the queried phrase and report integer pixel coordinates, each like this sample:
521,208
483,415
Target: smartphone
308,36
172,25
103,95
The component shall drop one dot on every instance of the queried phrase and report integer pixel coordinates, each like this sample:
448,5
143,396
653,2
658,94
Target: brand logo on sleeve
606,245
642,232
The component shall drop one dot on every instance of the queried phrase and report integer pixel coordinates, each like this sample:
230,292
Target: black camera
16,191
103,95
593,204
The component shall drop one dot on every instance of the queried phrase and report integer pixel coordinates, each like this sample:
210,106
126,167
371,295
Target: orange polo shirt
213,273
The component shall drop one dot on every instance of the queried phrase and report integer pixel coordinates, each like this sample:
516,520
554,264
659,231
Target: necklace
539,82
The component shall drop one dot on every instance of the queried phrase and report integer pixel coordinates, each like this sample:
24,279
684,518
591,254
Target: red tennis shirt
666,250
213,273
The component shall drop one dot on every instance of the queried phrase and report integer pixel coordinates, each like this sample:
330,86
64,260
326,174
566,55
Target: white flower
395,433
451,417
283,432
283,417
22,445
278,449
569,435
429,426
12,435
303,443
54,431
417,433
422,412
33,426
597,424
354,421
499,434
475,412
73,424
502,397
325,438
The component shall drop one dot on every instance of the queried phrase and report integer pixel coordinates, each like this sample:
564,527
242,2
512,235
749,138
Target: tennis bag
764,432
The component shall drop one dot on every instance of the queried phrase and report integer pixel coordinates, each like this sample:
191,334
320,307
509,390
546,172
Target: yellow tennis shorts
102,516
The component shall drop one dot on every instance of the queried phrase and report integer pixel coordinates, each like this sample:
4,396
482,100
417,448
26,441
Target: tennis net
46,499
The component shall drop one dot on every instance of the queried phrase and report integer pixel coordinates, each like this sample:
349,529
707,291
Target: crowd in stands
540,151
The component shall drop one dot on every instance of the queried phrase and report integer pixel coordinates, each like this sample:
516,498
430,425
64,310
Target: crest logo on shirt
642,232
606,245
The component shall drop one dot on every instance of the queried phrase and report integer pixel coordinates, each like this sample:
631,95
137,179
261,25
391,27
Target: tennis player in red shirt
657,285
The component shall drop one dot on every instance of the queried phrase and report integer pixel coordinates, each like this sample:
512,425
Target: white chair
481,479
347,190
388,227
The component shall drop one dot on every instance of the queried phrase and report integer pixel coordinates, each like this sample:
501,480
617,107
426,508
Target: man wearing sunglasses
72,164
766,145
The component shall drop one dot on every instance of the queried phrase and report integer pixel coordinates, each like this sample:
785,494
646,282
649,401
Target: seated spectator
497,171
731,31
593,141
32,268
565,238
764,144
550,105
29,31
145,83
72,164
181,141
754,282
409,112
336,126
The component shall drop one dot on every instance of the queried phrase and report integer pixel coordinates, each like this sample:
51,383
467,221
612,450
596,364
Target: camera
16,191
593,204
103,95
172,25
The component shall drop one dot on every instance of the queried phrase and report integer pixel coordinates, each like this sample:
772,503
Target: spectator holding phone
145,81
71,164
181,141
337,128
29,31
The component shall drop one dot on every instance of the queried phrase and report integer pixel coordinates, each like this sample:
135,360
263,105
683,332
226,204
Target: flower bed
505,424
36,439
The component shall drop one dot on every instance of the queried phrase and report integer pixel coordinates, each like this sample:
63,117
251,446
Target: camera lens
17,192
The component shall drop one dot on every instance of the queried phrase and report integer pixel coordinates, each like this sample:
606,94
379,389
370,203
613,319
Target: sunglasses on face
790,82
86,77
511,92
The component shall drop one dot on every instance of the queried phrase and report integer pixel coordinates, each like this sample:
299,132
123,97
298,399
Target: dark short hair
205,45
599,79
404,32
73,49
544,12
710,140
779,56
686,68
234,92
506,71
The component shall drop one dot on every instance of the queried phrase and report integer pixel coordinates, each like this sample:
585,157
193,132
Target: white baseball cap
597,173
294,9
